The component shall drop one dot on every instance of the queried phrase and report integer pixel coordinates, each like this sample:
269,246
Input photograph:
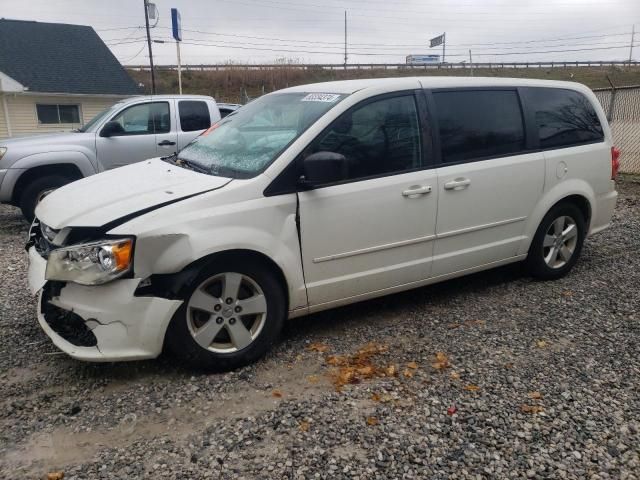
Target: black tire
535,262
32,193
182,344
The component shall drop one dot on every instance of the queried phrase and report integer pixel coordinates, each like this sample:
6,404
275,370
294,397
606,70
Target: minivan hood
122,192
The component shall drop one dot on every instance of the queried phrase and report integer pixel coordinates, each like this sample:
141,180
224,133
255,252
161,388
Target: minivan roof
351,86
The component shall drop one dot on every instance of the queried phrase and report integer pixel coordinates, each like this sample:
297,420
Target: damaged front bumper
100,323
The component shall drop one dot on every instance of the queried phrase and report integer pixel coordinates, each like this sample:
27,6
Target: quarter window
194,115
55,114
145,118
479,124
564,117
378,138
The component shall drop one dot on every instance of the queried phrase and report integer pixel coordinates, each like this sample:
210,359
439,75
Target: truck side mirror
111,129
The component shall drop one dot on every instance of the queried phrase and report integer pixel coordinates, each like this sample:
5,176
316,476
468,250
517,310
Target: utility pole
146,21
633,33
444,41
345,39
471,62
179,69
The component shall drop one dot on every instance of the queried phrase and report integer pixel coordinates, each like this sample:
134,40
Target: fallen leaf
298,358
375,397
391,370
567,293
472,388
407,373
304,426
318,347
531,409
277,393
455,375
508,365
452,410
55,476
357,367
313,378
372,421
453,326
336,360
475,322
413,365
535,395
365,371
441,362
541,343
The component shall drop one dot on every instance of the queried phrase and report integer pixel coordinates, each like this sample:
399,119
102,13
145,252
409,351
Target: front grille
68,325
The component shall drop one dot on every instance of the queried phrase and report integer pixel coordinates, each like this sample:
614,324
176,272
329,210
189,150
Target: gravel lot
544,376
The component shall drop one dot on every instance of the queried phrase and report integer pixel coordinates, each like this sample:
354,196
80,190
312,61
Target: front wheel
36,190
557,243
230,317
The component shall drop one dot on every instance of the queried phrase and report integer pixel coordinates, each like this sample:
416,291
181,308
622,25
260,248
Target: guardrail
389,66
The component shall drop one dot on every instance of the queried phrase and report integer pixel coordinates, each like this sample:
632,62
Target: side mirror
324,167
110,129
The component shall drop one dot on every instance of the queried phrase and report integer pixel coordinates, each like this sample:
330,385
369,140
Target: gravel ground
543,379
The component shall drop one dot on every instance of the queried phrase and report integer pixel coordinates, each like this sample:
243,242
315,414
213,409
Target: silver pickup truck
129,131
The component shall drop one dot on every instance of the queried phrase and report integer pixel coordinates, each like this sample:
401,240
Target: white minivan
318,196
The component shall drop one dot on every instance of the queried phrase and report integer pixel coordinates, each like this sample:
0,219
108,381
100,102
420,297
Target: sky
378,31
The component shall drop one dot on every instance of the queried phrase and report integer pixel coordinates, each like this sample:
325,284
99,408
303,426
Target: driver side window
378,138
145,118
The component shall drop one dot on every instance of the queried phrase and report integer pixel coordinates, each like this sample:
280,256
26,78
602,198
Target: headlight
91,263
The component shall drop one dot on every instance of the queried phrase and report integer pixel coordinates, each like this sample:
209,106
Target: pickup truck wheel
231,315
557,244
36,190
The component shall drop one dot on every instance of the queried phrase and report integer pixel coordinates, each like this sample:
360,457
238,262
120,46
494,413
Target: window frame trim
57,105
529,137
426,151
179,101
137,134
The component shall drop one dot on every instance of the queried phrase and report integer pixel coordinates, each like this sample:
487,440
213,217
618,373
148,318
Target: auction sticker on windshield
321,97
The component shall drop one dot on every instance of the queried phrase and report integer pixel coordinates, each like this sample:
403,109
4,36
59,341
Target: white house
55,77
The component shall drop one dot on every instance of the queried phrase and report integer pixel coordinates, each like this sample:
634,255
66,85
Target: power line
240,47
135,56
421,45
283,5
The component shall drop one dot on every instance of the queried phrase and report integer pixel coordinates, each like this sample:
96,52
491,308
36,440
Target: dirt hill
235,85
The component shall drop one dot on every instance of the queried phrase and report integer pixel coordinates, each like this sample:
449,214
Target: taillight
615,162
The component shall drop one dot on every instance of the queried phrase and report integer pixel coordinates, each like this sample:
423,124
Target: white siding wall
3,124
24,120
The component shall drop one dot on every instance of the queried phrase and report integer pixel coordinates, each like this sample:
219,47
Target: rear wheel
230,317
36,190
557,243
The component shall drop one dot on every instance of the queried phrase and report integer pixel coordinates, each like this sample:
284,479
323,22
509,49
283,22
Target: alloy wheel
560,242
227,312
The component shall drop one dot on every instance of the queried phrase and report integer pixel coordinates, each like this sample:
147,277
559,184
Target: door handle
416,190
166,143
457,184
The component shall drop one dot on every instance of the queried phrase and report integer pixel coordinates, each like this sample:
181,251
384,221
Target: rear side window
564,117
194,115
476,124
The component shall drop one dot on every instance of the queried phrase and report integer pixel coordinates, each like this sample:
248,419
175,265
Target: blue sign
176,24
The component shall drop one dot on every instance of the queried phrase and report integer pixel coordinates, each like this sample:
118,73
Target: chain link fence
622,106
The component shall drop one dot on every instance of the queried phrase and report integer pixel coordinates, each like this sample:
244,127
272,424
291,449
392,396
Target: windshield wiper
191,165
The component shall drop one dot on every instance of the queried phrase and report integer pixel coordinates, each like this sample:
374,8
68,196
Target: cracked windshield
246,142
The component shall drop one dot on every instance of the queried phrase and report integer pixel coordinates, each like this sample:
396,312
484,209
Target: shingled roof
60,58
